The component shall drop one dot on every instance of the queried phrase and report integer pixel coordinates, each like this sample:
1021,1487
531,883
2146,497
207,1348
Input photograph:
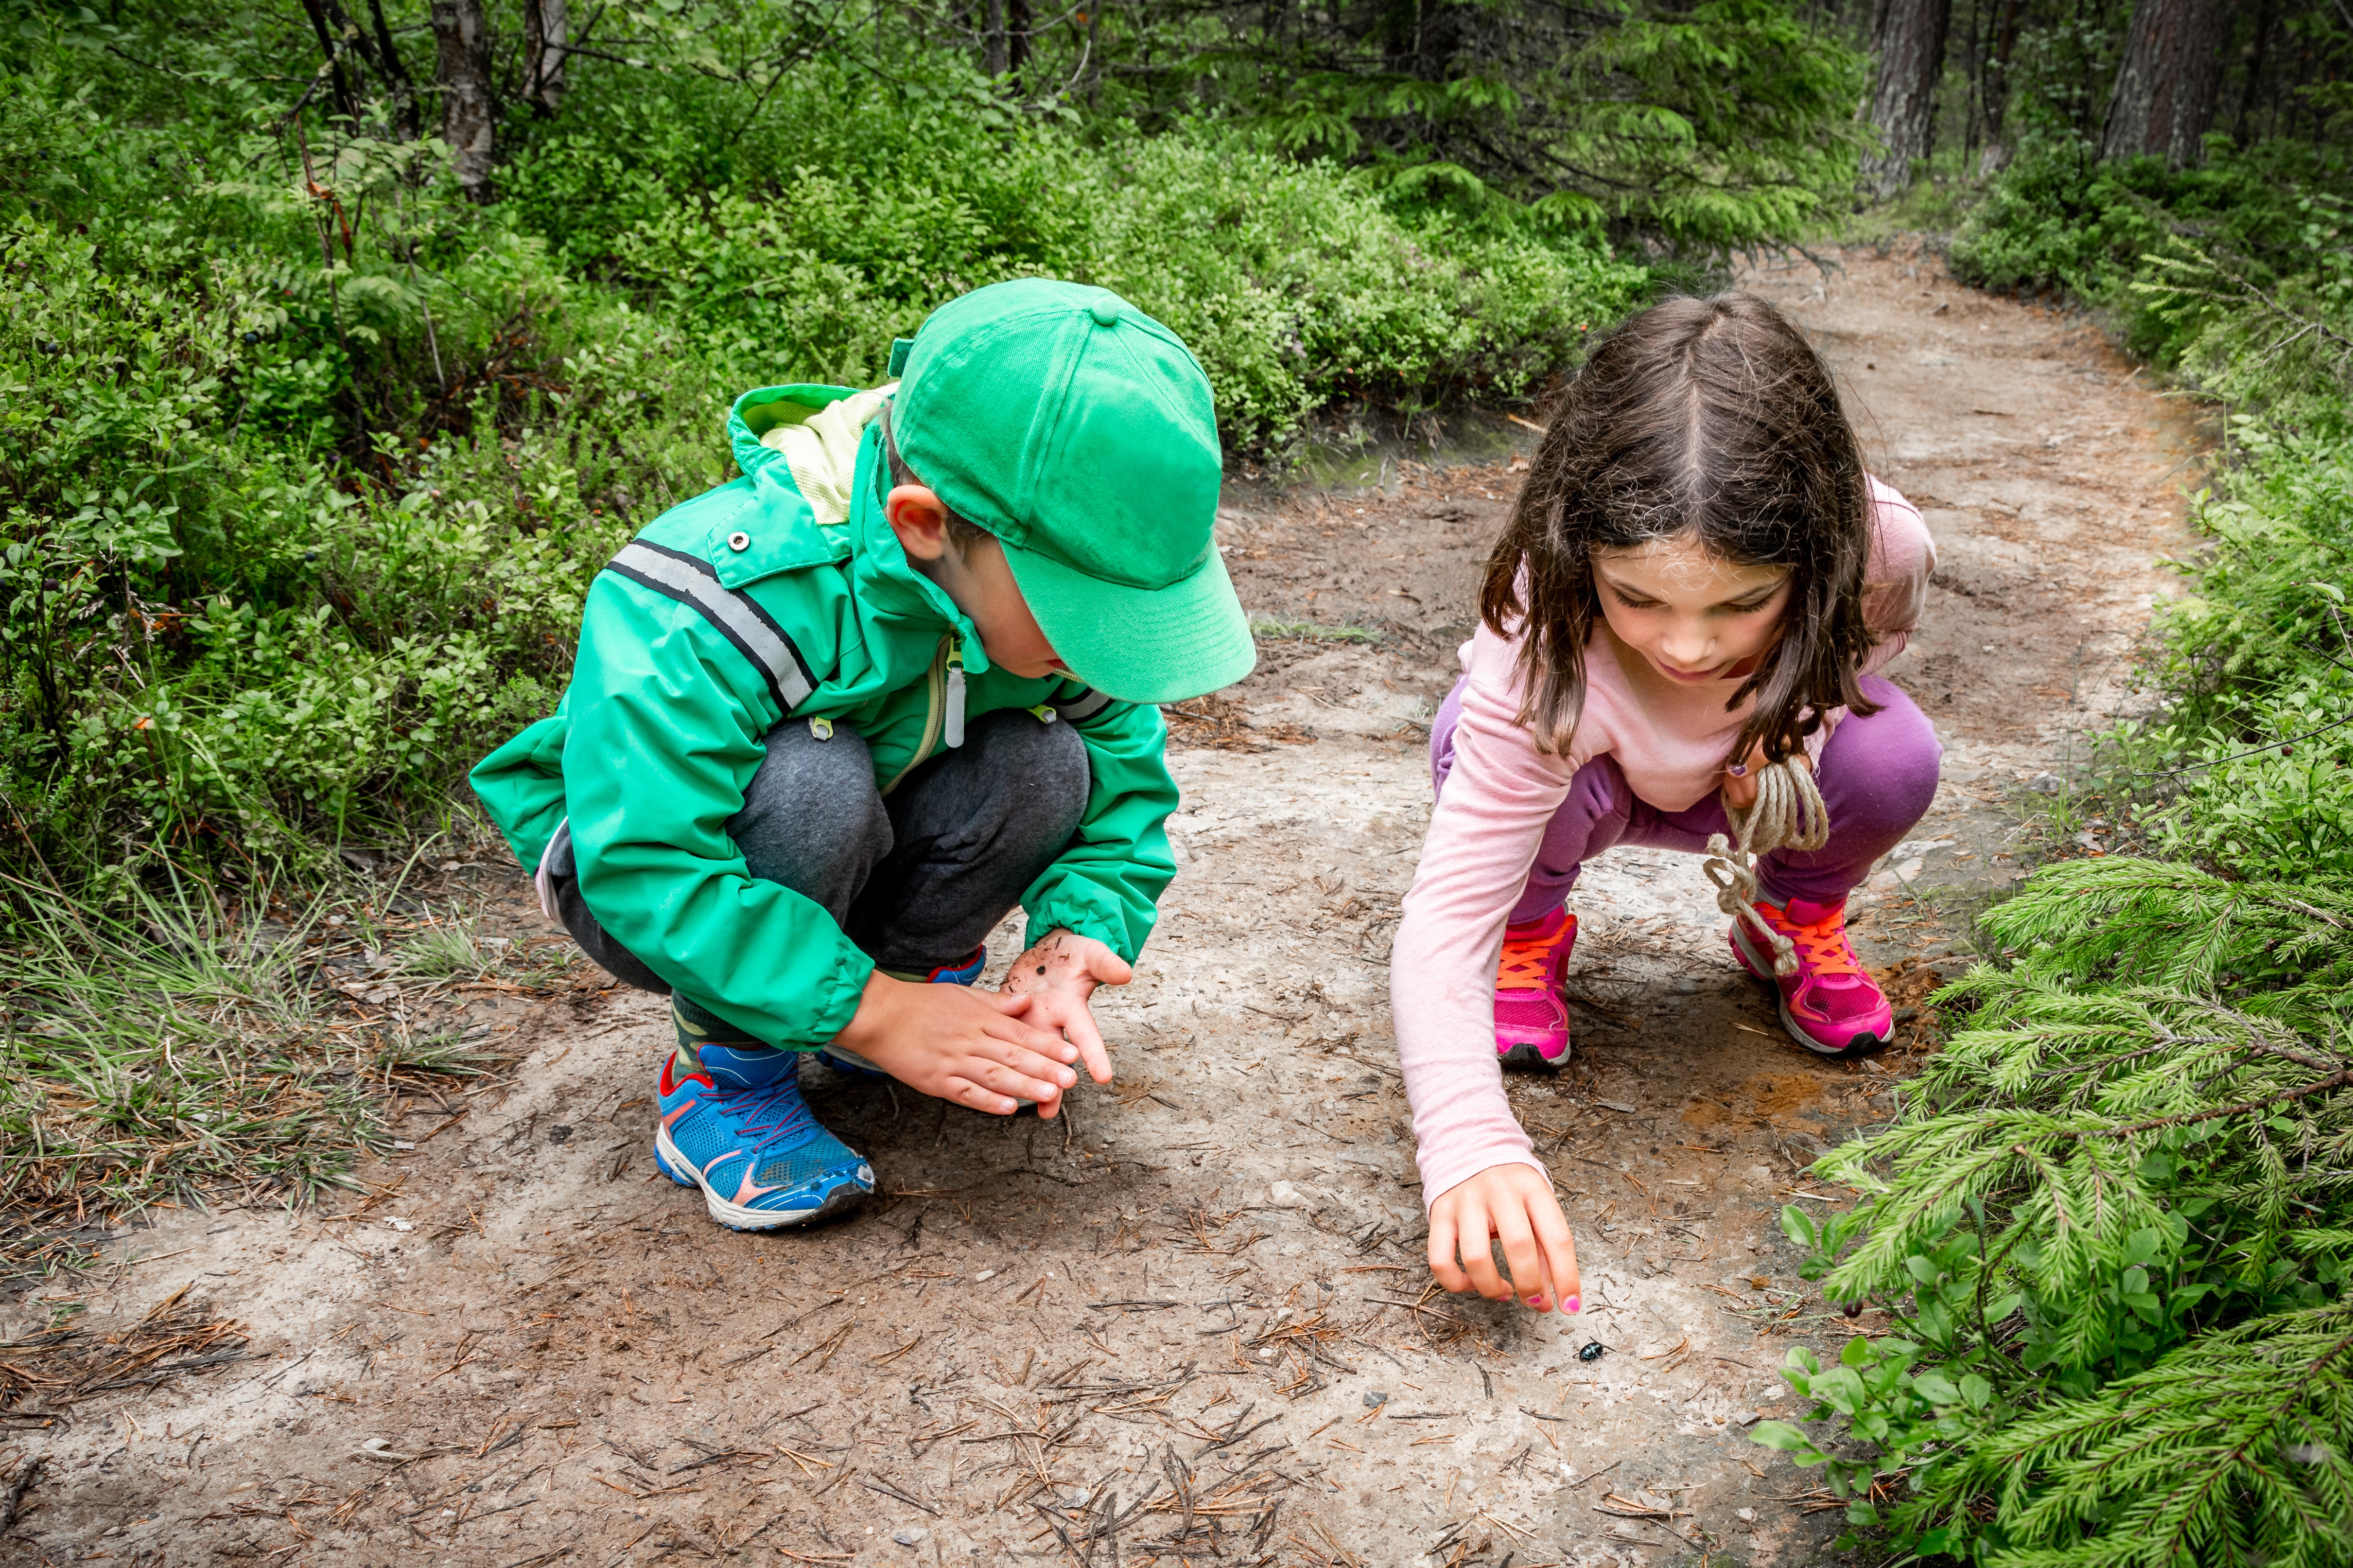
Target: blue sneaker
841,1058
736,1125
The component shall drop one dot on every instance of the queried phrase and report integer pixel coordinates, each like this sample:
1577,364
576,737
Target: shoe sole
1525,1057
1861,1044
736,1216
843,1060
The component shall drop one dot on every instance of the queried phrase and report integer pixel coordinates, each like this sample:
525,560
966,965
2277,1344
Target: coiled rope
1789,814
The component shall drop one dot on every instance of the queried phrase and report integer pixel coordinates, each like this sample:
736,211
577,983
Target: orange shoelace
1526,959
1823,944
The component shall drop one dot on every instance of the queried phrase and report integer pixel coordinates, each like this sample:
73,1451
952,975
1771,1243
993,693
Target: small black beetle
1592,1351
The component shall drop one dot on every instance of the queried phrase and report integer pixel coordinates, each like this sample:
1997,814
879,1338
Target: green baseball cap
1080,432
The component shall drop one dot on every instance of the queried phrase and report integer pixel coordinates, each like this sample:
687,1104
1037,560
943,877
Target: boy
828,722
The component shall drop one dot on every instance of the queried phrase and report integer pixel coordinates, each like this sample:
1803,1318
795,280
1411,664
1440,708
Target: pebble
909,1536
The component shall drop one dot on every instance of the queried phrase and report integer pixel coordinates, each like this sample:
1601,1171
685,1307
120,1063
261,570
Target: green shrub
303,490
2114,1219
289,541
1296,284
2058,219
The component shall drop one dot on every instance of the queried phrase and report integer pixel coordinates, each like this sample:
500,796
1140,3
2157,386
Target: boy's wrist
876,1002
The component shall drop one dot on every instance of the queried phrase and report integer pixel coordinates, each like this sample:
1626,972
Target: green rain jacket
784,594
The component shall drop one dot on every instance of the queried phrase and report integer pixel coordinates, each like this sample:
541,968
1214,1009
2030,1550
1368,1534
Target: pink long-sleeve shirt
1672,740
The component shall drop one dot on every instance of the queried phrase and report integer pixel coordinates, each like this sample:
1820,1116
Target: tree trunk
394,71
1910,43
2164,100
1996,85
1017,35
992,40
469,121
339,84
2257,51
545,35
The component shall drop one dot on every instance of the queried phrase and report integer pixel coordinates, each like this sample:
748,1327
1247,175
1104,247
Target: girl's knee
1886,765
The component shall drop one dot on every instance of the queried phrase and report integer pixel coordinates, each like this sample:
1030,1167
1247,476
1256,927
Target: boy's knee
812,802
1039,772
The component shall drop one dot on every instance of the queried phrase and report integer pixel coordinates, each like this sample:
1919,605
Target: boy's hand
1058,974
1740,789
955,1043
1512,1204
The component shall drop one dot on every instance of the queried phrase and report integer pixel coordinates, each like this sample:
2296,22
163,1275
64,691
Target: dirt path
1190,1321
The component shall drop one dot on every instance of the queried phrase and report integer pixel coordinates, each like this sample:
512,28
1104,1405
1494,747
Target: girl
1699,579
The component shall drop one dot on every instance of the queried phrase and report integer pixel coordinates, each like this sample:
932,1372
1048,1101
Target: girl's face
1693,617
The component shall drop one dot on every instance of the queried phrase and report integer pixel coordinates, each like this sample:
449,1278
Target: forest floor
1190,1322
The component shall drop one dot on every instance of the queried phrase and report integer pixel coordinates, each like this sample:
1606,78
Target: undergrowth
2114,1219
185,1051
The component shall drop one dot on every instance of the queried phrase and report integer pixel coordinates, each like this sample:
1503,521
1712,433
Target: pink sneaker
1831,1004
1531,1020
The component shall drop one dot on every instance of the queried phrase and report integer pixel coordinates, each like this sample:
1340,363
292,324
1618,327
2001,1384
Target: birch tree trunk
2164,101
546,35
468,120
1910,43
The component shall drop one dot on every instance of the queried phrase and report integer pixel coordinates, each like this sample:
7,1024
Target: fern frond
2155,923
2237,1448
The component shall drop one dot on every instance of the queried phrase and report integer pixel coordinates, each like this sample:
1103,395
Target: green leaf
1976,1390
1858,1353
1788,1439
1935,1387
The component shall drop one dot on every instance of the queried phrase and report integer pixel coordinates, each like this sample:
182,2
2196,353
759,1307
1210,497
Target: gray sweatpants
918,879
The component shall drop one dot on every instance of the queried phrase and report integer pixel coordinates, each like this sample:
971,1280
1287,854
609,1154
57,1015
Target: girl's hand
1740,789
1513,1204
1058,973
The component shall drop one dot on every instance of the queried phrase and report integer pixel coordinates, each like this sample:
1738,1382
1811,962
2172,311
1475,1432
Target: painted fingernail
1570,1304
1537,1302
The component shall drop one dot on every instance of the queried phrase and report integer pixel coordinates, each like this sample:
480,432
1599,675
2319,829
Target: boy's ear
919,520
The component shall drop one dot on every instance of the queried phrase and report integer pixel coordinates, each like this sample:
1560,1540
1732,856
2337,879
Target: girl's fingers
1521,1253
1477,1247
1558,1254
1559,1249
1441,1249
1108,968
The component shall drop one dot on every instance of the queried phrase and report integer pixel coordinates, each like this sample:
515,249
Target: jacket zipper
935,700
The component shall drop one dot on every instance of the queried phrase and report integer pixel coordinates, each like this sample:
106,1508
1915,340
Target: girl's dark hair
1711,417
